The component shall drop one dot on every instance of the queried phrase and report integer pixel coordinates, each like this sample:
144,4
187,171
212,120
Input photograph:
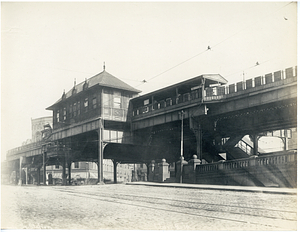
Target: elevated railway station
199,124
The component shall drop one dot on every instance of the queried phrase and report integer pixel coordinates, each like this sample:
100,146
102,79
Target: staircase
237,148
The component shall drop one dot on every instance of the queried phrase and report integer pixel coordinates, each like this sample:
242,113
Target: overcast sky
45,46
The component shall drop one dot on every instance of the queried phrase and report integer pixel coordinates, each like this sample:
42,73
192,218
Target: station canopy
131,153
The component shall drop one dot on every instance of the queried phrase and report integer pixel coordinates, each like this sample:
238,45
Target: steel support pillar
115,171
199,142
26,176
64,179
69,172
20,171
100,153
38,171
255,144
196,128
44,168
285,143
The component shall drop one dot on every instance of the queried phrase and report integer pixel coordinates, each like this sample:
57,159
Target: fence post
192,168
163,171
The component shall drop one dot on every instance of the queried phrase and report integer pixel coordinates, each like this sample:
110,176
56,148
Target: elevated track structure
103,118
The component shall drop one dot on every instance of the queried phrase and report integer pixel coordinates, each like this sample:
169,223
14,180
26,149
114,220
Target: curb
220,187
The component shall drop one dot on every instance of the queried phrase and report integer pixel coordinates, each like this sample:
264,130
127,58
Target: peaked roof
108,80
102,79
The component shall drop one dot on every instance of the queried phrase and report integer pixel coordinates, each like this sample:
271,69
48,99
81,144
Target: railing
186,97
219,92
245,147
263,160
24,148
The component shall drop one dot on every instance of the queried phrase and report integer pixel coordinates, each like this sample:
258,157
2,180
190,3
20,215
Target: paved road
144,208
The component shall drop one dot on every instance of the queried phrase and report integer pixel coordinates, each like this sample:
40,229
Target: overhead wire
209,48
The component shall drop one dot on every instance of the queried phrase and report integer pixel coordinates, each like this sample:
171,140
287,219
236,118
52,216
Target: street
130,207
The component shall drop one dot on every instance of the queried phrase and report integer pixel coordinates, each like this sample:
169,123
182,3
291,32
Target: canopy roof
186,86
132,153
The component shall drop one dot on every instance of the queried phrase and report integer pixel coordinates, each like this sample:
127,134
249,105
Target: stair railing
247,148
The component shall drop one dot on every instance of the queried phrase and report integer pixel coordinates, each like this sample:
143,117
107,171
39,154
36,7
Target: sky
46,46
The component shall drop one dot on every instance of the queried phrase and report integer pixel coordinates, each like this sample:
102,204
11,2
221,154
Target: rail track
223,209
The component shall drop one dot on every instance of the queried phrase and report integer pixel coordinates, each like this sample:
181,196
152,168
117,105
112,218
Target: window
107,98
117,102
56,166
57,116
76,164
65,113
117,99
78,108
146,102
113,136
94,103
86,104
70,110
75,109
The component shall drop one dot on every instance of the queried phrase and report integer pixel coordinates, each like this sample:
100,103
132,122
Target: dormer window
63,97
74,91
86,85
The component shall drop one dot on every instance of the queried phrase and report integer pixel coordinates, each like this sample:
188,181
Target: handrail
247,148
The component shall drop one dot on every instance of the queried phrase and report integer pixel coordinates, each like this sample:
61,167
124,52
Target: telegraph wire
209,48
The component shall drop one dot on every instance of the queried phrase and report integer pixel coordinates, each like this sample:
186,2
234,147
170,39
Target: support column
16,174
20,171
100,152
26,176
179,169
151,171
38,171
255,144
199,143
285,143
44,168
195,126
69,172
64,179
115,171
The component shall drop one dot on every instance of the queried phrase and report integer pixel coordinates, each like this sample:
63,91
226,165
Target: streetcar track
237,213
97,197
201,203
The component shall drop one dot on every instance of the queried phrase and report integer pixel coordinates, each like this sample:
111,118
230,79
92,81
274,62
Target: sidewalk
291,191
